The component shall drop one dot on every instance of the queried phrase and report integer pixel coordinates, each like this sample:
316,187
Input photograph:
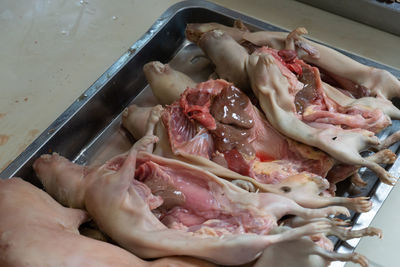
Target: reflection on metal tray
82,131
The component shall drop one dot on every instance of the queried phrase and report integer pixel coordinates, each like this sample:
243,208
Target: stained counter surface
53,50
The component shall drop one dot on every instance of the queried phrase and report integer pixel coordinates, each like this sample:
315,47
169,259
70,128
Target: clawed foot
383,175
372,231
389,141
340,222
246,185
359,204
345,233
337,210
357,180
318,227
360,259
389,179
385,156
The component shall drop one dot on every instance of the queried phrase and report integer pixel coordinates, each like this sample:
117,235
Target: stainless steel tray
82,131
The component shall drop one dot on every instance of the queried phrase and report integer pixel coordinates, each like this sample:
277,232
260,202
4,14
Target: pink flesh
340,172
237,163
355,90
196,102
295,85
177,217
143,190
205,203
269,145
198,198
186,135
324,109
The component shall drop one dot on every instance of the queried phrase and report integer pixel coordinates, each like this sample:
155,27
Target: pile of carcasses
236,170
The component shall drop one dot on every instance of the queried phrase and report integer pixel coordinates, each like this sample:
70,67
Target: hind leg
358,204
334,256
280,206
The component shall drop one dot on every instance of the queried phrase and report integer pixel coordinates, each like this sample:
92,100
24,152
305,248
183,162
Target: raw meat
166,83
315,250
37,231
277,157
122,207
375,82
304,252
276,87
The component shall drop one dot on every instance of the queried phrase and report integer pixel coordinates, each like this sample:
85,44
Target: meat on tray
38,231
156,207
240,168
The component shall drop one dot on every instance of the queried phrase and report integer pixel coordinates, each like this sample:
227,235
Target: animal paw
246,185
337,210
359,204
318,227
360,259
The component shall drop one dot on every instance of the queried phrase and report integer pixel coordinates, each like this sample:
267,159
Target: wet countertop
53,50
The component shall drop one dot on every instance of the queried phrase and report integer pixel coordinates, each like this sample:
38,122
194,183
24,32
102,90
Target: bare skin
304,253
303,189
372,79
342,145
41,232
104,185
134,119
341,172
379,82
234,56
166,83
339,228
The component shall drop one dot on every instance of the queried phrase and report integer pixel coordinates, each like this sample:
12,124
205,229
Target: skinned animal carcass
262,153
157,207
38,231
308,111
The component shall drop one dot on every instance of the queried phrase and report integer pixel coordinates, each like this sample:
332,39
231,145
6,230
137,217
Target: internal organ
197,205
188,140
127,209
312,103
273,84
359,79
217,121
222,109
314,106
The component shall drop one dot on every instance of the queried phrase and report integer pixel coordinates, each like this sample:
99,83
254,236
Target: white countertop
53,50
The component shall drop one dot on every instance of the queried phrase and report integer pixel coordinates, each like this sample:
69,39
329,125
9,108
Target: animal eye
286,189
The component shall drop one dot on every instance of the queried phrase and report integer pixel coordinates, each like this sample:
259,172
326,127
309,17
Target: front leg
313,228
280,206
305,190
358,204
339,228
347,233
335,256
394,138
